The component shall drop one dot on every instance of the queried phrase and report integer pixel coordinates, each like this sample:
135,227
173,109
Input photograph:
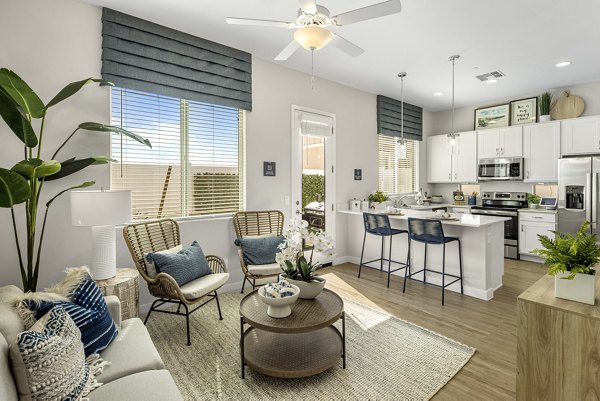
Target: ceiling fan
311,32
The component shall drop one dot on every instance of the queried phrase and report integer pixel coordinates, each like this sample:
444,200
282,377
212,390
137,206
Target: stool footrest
458,278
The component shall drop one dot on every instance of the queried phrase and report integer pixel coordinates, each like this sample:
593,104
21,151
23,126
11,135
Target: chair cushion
204,285
261,250
8,390
131,352
85,304
49,362
153,385
184,266
264,270
151,267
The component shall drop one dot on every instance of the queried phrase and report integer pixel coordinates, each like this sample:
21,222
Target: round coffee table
300,345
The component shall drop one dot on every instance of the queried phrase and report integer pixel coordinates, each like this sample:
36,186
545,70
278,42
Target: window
195,166
397,176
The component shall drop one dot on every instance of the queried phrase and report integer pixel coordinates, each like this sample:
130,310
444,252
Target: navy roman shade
140,55
389,118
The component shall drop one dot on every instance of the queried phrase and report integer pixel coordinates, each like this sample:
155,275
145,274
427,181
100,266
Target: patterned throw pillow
260,251
184,266
48,361
84,303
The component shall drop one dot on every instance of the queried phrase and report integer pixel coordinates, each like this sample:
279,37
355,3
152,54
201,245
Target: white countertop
465,220
539,210
435,206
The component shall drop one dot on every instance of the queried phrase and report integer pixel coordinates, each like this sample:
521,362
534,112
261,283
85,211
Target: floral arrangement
291,257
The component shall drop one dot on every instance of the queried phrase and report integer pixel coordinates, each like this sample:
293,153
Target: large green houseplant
20,107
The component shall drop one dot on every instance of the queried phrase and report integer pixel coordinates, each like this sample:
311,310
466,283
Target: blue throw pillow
89,312
184,266
260,251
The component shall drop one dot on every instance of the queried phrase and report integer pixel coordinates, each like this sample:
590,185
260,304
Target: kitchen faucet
400,202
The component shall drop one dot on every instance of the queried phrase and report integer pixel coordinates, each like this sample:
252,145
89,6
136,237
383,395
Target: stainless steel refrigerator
578,193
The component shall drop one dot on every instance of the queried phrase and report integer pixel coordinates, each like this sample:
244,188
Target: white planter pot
534,205
545,118
308,290
581,289
378,205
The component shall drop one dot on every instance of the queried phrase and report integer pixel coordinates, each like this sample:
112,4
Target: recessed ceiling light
491,81
438,94
562,64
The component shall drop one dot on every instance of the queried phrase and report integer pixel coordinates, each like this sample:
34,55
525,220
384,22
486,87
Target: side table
125,285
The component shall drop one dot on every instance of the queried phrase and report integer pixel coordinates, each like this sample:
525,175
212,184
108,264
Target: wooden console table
558,346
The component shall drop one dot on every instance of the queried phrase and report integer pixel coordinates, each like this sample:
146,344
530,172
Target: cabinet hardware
521,227
449,176
501,151
497,153
455,175
535,217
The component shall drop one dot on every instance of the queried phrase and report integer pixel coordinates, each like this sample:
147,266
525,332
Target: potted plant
23,182
297,269
533,200
571,260
377,199
545,101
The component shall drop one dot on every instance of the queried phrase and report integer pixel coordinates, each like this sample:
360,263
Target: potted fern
571,259
545,102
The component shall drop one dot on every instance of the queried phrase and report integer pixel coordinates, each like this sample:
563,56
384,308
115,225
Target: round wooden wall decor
567,106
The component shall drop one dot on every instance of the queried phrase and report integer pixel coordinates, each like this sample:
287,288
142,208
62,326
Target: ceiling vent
490,75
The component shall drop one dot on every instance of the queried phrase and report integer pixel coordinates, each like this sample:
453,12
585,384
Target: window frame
416,168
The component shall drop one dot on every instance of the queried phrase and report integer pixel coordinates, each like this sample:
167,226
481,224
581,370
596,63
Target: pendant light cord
453,59
402,105
312,69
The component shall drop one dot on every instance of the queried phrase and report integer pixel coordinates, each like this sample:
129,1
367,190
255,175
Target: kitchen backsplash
512,186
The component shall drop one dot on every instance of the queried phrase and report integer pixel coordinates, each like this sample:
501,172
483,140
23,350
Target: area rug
387,359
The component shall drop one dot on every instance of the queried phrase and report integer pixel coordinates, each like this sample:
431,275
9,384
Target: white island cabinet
482,239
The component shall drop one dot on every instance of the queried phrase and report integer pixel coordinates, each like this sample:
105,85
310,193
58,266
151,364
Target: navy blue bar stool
379,225
430,232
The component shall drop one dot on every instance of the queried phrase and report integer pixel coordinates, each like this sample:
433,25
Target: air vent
490,75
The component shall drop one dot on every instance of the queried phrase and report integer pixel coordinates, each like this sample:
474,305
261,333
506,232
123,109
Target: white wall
62,43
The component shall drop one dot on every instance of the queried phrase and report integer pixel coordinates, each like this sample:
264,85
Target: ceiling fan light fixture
312,37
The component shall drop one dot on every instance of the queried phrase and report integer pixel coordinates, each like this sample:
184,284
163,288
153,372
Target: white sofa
136,372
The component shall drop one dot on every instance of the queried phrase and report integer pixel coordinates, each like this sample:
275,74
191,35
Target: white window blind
195,166
397,175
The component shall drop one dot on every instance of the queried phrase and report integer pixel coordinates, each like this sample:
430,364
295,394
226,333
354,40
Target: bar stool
431,232
379,225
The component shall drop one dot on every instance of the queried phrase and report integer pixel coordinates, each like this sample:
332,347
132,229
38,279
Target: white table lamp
101,210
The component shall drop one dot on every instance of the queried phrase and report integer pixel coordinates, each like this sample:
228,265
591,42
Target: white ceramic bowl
279,307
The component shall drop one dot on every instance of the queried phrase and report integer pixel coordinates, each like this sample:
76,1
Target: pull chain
312,69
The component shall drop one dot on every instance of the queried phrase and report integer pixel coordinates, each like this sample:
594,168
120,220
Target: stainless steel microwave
508,168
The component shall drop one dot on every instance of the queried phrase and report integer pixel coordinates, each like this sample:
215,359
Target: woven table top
307,314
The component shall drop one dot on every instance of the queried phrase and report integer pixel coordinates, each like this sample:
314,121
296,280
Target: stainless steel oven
500,169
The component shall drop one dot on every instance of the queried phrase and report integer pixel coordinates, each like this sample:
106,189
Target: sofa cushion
184,266
131,352
153,385
260,251
9,293
8,390
10,322
264,270
204,285
150,266
84,303
48,361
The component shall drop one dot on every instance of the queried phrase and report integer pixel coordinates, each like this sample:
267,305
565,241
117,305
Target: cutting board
567,106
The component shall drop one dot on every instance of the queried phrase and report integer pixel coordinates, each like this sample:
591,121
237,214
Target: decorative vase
545,118
581,289
308,289
279,307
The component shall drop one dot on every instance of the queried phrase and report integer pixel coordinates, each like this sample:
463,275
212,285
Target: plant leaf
15,118
33,169
83,185
90,126
72,89
21,93
74,165
14,189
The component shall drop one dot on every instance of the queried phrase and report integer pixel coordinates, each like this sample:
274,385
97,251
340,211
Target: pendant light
401,148
453,148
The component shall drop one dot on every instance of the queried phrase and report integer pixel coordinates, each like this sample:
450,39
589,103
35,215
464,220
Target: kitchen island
482,239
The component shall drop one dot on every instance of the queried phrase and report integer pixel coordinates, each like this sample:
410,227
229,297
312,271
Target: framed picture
492,117
523,111
269,169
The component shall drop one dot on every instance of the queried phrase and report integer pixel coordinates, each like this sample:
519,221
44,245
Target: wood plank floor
488,326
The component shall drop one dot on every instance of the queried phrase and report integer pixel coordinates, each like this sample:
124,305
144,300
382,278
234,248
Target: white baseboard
531,258
341,260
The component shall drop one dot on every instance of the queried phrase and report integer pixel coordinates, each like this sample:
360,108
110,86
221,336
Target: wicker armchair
254,224
155,236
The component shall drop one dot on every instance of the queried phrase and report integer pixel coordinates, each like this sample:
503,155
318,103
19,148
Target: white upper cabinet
464,159
439,159
541,150
500,142
447,163
580,136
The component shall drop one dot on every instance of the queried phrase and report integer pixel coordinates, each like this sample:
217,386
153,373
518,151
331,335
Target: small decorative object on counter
419,197
472,199
459,198
545,103
571,259
364,205
533,200
279,297
376,200
355,205
437,199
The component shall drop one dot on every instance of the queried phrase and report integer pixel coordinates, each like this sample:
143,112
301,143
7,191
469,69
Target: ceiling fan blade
259,22
346,46
288,51
308,6
368,12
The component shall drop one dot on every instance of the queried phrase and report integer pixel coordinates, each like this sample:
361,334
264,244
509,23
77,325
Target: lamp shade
312,37
100,208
